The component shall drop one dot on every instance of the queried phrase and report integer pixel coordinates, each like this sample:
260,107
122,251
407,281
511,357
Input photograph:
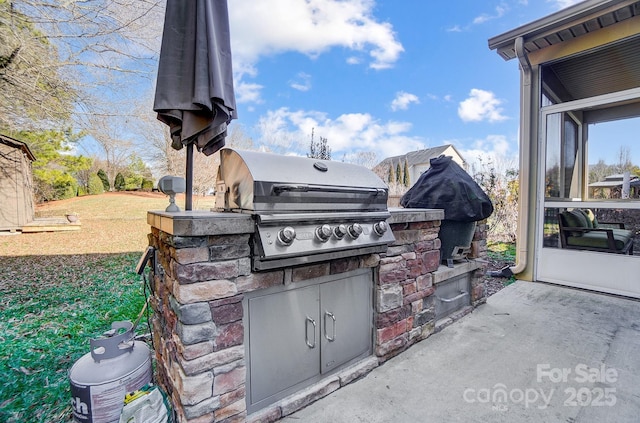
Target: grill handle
278,189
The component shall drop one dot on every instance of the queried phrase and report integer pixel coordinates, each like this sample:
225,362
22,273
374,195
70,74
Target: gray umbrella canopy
194,91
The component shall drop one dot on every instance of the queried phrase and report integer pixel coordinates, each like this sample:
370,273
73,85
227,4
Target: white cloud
403,100
446,98
346,134
485,17
302,82
494,150
562,4
481,105
311,27
498,12
247,92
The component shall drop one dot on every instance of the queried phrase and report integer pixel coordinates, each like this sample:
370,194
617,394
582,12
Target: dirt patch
114,222
493,284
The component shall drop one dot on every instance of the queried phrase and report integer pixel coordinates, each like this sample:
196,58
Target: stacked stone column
197,322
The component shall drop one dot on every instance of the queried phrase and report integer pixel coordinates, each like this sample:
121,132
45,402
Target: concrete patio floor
533,353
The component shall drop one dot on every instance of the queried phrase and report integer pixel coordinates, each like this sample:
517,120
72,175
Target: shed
16,184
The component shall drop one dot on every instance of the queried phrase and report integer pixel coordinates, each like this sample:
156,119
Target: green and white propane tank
101,378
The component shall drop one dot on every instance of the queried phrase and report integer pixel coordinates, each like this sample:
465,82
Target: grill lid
306,210
271,183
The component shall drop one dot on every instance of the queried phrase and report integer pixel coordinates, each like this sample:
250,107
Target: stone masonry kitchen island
236,344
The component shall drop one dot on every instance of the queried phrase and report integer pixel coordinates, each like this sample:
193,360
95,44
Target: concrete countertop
203,223
402,215
200,223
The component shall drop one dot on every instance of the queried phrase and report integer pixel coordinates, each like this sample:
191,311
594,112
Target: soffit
606,70
589,49
573,22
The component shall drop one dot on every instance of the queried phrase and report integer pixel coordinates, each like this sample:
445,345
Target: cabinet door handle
329,338
456,298
306,332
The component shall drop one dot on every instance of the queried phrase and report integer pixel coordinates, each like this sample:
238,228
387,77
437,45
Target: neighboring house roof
613,181
418,157
17,144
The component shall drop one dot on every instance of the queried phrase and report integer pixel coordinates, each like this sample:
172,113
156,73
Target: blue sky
379,76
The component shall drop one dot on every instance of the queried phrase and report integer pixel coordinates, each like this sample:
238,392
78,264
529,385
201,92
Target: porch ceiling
572,22
611,68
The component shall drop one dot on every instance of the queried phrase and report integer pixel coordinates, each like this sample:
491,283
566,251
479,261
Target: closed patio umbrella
194,90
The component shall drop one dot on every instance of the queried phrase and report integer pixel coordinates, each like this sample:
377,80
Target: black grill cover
445,185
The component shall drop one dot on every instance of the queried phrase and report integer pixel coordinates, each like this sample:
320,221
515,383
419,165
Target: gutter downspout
522,233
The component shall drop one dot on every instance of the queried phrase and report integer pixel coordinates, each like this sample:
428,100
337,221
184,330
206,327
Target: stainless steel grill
306,210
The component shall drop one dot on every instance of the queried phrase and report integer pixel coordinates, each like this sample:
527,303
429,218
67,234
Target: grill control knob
380,228
286,235
323,233
340,231
354,230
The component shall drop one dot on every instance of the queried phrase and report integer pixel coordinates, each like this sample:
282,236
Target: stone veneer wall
202,270
408,276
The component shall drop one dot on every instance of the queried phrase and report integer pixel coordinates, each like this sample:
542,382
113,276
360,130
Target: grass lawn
61,289
502,251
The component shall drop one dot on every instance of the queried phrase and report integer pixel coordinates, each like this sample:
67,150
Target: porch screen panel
551,230
572,180
562,173
552,180
613,151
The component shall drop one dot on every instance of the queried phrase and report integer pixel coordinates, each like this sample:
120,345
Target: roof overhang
19,145
585,50
567,24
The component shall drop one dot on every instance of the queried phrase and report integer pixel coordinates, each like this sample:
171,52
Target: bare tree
273,137
367,159
30,87
153,140
205,168
624,159
55,53
599,171
166,159
319,149
112,139
498,177
238,138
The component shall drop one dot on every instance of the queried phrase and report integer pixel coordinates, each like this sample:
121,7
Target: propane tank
101,378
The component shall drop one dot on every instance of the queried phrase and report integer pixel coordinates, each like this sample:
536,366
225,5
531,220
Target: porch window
592,161
614,165
563,178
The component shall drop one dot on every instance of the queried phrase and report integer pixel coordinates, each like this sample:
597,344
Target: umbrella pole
188,200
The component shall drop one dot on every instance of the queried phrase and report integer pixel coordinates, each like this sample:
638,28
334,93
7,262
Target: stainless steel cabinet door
284,340
346,320
453,295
